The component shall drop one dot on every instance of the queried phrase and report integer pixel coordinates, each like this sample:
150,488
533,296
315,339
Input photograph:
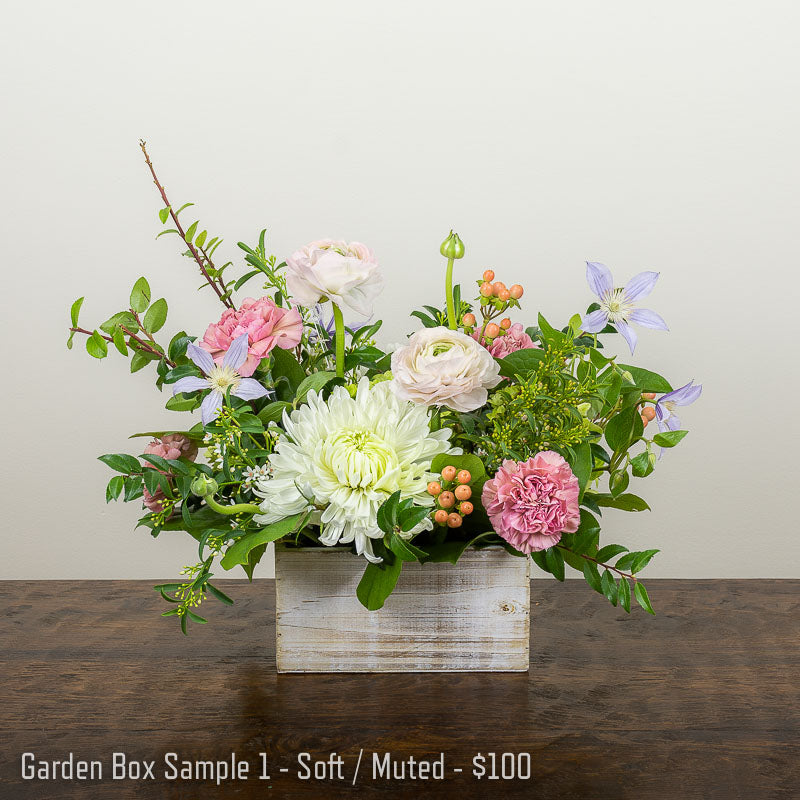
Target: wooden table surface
699,702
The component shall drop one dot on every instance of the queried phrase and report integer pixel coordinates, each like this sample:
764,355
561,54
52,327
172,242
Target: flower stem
448,289
237,508
339,323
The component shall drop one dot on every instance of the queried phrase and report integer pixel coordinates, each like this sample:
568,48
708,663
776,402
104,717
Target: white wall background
645,135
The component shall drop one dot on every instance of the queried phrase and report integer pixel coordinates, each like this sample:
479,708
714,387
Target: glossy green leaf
378,583
163,215
669,438
520,362
140,295
624,592
96,346
75,311
121,462
625,502
156,316
314,382
646,380
642,598
237,553
469,462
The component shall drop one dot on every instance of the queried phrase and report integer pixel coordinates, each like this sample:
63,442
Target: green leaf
190,231
624,592
114,488
405,551
582,463
314,382
643,464
180,402
177,345
625,502
450,551
163,215
554,559
412,517
609,551
469,462
140,295
121,318
618,482
378,583
387,513
156,316
609,587
196,617
184,206
220,595
75,311
238,552
620,429
520,362
285,365
549,333
646,380
200,240
121,462
669,438
273,412
118,338
642,560
642,599
592,575
141,359
96,346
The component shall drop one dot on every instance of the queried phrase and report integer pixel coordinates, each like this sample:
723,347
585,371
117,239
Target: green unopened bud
452,246
202,486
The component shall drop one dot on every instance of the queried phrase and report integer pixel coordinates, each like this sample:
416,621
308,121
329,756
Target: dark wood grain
699,702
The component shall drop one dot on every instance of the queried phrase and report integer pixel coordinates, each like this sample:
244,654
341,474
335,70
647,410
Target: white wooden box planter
470,617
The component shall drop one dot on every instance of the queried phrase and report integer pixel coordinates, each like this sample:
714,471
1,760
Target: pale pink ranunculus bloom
266,324
344,272
171,446
512,340
532,503
442,367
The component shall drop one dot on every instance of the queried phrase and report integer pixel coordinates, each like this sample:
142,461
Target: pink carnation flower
172,446
531,503
266,325
512,340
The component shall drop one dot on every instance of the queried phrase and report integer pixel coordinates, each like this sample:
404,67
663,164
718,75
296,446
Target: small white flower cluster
253,474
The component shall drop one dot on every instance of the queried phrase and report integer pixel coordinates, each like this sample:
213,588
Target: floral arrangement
477,431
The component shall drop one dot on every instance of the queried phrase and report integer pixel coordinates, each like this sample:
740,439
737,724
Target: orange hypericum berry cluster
495,299
648,412
452,495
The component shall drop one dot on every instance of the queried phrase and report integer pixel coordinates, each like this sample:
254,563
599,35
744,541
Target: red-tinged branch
141,344
200,259
599,563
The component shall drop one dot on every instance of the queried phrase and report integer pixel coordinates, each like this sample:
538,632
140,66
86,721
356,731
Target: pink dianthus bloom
531,503
512,340
266,325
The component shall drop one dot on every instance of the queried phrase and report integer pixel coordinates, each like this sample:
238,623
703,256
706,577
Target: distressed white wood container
470,617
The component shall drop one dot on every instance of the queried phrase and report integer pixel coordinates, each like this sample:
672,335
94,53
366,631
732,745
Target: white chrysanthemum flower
345,457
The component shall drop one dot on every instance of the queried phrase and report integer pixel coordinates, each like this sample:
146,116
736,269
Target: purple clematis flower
665,406
220,378
617,305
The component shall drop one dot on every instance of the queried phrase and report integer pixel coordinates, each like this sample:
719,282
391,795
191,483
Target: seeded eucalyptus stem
217,285
339,336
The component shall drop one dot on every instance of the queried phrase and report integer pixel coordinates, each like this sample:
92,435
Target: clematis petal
640,285
628,333
647,319
201,358
685,395
673,423
599,277
594,322
250,389
237,352
209,410
189,384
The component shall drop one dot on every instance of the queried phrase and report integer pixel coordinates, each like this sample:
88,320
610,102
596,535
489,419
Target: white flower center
616,304
220,378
